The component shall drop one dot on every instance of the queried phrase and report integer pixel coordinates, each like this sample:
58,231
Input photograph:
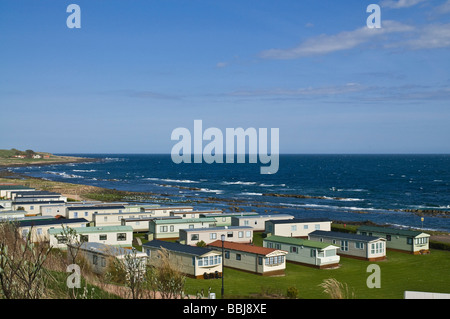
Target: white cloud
308,91
399,4
221,64
443,8
345,40
433,36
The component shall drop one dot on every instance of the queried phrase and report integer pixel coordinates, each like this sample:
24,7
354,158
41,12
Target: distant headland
16,158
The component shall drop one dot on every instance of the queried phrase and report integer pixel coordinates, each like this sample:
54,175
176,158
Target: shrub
292,293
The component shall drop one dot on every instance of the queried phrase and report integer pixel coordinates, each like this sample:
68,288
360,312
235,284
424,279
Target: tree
22,272
73,241
130,271
169,280
201,243
29,153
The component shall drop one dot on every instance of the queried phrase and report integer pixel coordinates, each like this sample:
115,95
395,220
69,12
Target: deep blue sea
340,187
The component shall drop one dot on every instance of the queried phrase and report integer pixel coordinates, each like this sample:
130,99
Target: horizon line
224,154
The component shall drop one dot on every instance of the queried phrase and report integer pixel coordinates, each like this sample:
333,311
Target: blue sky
136,70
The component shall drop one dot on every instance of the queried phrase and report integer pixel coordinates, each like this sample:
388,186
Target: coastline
83,192
56,161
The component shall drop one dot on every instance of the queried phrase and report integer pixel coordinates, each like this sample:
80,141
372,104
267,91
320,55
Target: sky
137,70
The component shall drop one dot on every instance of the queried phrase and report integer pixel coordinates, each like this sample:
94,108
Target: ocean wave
350,199
409,227
114,159
343,199
272,185
64,174
84,170
330,207
207,190
429,206
251,194
334,189
168,180
239,183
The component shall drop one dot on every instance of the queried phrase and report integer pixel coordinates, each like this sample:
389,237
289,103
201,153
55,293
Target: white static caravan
369,248
195,213
239,234
165,211
141,224
60,210
54,210
412,241
257,221
296,227
34,208
196,262
37,196
254,259
39,228
305,252
89,211
224,219
170,228
5,190
99,256
129,208
5,204
117,236
6,215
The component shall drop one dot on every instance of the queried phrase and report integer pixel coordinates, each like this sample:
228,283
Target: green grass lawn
399,272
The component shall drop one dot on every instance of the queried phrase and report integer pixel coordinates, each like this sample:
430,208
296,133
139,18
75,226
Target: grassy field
399,272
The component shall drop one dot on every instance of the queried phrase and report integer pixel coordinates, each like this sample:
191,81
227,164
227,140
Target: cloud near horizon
308,91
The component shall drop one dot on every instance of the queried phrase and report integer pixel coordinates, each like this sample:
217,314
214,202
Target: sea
383,189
